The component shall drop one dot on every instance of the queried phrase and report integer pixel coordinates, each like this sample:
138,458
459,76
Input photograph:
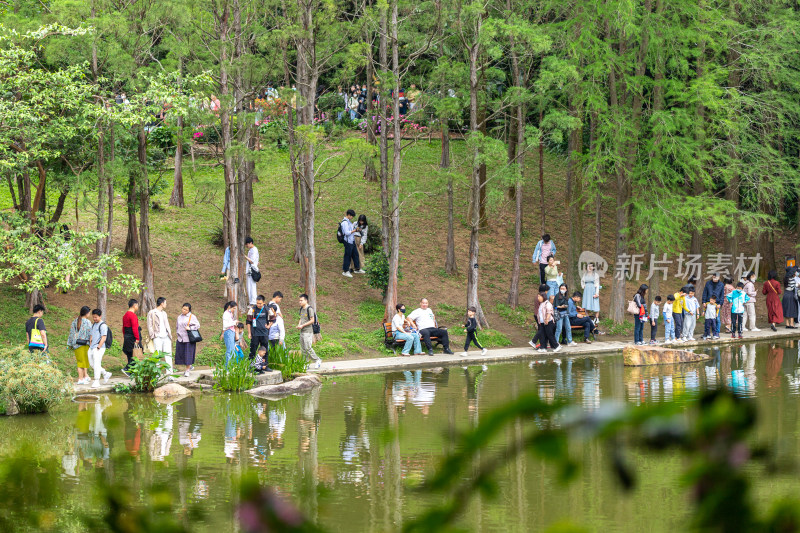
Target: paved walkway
388,364
384,364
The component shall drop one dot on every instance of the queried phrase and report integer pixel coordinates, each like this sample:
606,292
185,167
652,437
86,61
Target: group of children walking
681,311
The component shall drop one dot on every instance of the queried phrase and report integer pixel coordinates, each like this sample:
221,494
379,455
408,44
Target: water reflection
348,452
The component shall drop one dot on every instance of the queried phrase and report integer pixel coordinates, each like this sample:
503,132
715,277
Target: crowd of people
556,311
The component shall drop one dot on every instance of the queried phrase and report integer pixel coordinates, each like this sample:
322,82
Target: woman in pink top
229,321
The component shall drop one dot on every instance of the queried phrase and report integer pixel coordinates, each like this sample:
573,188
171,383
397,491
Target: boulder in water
658,355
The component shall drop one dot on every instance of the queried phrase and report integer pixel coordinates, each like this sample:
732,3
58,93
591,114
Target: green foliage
237,376
370,313
162,137
377,269
146,373
31,381
491,338
621,329
519,317
287,361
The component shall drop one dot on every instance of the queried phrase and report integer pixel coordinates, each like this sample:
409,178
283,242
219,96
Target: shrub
217,236
31,381
237,376
162,137
373,240
377,269
287,361
147,372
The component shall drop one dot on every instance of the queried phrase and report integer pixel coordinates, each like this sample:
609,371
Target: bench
392,343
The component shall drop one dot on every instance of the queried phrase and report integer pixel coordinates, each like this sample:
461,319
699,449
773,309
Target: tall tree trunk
516,155
244,185
132,247
370,172
384,138
226,139
293,149
176,199
148,278
62,197
11,190
542,200
450,265
696,245
394,255
24,188
731,238
574,202
102,195
472,267
484,220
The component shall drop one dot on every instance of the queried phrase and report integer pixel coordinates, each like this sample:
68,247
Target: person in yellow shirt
678,308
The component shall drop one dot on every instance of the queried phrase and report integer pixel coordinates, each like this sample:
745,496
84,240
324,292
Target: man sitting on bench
577,318
425,320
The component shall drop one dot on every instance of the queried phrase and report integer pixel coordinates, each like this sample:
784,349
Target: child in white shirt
710,315
669,321
654,313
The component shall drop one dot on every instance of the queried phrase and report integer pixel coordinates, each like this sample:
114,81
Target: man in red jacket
131,333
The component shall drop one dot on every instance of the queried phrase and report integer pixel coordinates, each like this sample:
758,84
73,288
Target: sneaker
463,354
733,335
360,271
542,350
319,363
268,369
171,378
572,343
754,329
772,326
125,371
587,341
652,342
716,337
347,274
430,352
191,367
740,336
558,348
484,351
95,384
186,374
106,377
532,344
745,329
448,351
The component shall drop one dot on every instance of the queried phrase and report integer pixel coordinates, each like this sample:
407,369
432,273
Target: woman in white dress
590,282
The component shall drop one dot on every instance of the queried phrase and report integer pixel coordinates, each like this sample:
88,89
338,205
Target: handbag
137,351
149,346
36,336
81,342
633,307
315,329
193,334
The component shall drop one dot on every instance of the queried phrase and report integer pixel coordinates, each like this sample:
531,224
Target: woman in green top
551,276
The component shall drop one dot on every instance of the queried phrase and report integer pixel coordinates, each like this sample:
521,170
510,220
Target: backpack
36,336
340,234
109,336
315,329
255,275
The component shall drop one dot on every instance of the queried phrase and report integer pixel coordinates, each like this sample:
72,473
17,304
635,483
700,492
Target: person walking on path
772,290
252,274
399,325
160,333
306,327
789,300
349,230
590,283
547,322
552,276
714,287
544,249
725,308
750,306
640,299
425,322
229,322
131,333
80,334
471,327
259,329
185,349
561,305
97,348
35,330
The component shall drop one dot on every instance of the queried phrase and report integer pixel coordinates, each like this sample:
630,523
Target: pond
349,453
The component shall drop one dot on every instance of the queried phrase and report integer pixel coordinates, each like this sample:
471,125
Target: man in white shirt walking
252,267
425,321
159,331
350,251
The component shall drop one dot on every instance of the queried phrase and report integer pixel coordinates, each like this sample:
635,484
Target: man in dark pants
259,329
426,324
350,252
574,320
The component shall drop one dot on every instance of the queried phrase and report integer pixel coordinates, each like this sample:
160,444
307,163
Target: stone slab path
389,363
267,378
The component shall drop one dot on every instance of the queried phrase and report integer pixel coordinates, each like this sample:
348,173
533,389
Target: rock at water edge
171,390
657,355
